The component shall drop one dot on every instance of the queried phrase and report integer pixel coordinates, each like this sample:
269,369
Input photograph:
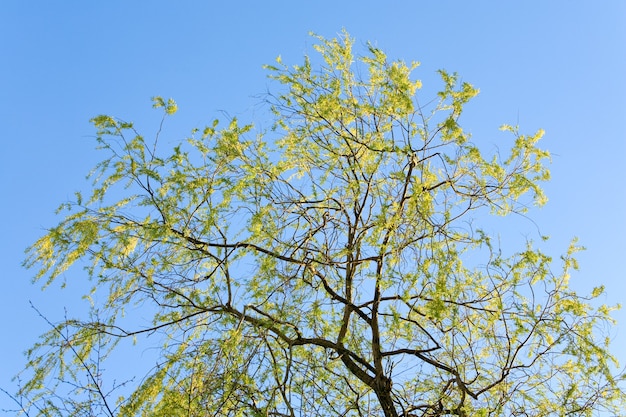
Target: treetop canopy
337,265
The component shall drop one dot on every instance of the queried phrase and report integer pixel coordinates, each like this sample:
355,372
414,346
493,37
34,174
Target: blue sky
557,65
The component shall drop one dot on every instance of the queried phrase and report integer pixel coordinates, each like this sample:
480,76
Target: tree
335,265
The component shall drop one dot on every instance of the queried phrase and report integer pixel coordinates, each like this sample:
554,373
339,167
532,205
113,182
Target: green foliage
327,270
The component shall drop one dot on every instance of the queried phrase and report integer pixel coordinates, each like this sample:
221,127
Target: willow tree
335,265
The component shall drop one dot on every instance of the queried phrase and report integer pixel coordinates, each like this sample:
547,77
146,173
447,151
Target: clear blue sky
557,65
